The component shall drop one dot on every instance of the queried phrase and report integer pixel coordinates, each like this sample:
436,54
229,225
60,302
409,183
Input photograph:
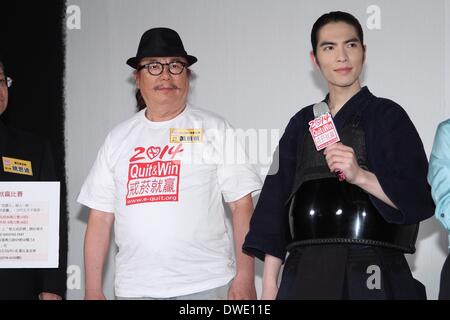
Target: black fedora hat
160,42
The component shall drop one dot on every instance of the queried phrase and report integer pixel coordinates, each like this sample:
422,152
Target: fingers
339,155
338,147
340,160
335,160
339,166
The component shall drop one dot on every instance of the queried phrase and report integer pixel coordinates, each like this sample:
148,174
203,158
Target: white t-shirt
164,183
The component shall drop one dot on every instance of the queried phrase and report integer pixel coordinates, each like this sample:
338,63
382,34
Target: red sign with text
323,131
157,179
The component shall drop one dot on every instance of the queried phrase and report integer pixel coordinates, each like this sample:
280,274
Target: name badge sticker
186,135
17,166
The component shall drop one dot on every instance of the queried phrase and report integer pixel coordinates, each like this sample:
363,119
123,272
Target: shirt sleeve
439,174
398,160
237,176
98,190
269,227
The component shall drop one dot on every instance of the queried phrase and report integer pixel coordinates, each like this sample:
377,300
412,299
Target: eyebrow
330,43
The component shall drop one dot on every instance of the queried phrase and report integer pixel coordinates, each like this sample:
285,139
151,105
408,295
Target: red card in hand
324,134
323,131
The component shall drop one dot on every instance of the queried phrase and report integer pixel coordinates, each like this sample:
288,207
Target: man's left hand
242,288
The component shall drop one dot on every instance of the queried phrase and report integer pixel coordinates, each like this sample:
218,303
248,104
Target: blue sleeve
269,227
439,173
399,162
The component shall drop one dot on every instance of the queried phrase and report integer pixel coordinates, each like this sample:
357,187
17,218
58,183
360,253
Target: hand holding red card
342,158
324,133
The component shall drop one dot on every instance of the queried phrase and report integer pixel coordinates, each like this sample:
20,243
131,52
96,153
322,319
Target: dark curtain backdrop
32,46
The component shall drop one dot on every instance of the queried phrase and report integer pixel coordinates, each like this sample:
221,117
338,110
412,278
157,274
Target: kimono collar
357,103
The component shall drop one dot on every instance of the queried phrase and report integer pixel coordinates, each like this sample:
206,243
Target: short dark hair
140,103
2,66
334,16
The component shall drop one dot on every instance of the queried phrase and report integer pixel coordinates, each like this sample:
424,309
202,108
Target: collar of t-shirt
162,124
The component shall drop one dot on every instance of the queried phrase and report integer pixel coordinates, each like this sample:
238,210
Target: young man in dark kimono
346,239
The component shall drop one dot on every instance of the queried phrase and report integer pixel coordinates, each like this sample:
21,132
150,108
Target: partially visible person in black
29,284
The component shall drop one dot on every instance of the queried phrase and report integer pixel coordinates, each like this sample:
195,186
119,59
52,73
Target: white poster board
29,224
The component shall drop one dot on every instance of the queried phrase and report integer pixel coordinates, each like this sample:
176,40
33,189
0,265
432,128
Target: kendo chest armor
324,210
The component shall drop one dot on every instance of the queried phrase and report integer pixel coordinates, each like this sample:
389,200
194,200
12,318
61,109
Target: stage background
254,70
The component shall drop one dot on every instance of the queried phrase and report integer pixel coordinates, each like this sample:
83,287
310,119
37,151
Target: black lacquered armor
325,210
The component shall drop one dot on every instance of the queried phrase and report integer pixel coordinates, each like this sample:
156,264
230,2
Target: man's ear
314,59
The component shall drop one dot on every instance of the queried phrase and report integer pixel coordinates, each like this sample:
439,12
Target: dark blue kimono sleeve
397,158
269,227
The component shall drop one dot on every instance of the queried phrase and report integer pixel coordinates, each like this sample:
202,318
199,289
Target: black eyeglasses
155,68
6,82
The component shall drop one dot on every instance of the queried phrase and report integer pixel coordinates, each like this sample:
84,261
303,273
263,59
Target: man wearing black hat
159,179
29,284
